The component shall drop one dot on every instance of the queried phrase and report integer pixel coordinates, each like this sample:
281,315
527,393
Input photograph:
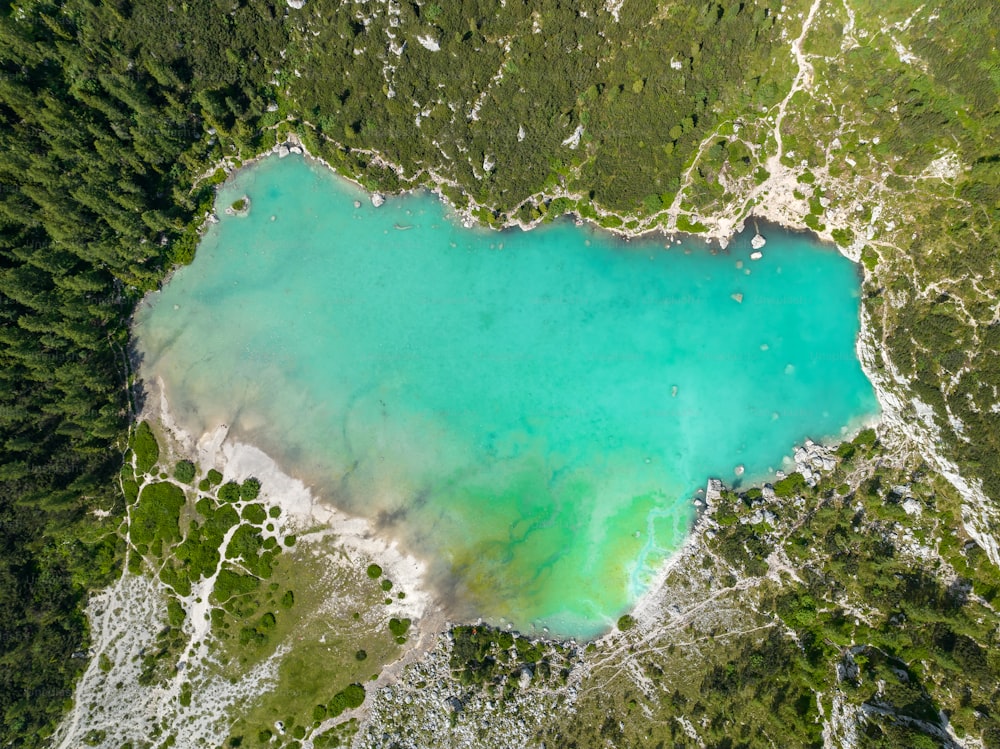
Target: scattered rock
297,4
811,460
282,151
713,491
757,255
429,43
377,199
758,241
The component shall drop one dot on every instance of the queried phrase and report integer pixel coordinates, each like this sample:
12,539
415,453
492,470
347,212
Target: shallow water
530,412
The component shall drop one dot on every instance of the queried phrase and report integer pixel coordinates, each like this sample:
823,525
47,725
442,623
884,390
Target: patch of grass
323,662
843,237
686,225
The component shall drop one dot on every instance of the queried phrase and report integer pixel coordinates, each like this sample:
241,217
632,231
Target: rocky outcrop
811,460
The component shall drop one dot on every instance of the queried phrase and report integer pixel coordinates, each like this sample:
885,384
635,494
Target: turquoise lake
529,412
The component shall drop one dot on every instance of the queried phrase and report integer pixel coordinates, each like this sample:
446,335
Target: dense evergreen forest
104,117
115,115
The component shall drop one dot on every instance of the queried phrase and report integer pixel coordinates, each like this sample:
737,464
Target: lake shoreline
718,236
237,461
295,197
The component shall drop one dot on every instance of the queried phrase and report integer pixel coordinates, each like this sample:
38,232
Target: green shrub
337,705
845,450
230,584
626,622
842,237
790,486
254,513
866,438
184,471
230,492
355,695
130,489
249,489
147,451
175,613
213,477
398,627
156,515
869,257
387,585
374,571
